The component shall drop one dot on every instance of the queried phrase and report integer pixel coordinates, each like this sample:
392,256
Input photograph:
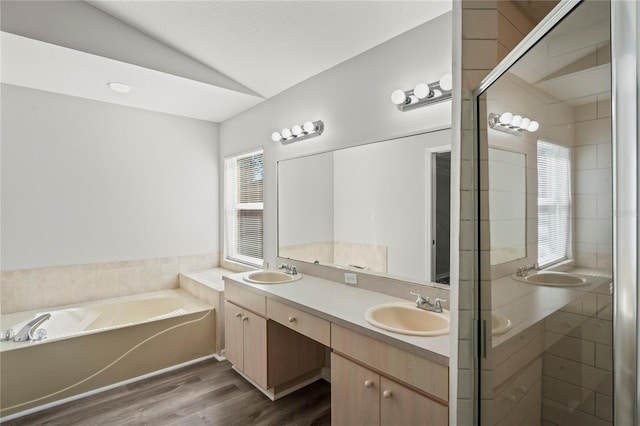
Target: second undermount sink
406,318
554,279
271,277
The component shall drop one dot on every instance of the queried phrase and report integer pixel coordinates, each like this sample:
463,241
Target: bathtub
100,344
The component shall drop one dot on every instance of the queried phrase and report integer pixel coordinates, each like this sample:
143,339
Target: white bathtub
91,346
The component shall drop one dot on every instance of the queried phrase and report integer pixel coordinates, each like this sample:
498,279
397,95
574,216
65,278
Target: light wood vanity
277,337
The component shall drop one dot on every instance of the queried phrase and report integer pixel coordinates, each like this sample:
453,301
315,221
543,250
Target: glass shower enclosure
551,177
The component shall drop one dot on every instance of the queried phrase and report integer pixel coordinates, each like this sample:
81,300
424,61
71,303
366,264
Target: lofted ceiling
203,59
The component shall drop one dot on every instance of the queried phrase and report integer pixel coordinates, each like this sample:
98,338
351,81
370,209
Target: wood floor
208,393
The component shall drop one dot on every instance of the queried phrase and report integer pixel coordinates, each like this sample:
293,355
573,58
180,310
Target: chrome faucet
288,269
523,271
27,332
424,303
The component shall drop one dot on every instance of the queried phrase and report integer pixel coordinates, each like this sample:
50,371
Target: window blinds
243,226
554,203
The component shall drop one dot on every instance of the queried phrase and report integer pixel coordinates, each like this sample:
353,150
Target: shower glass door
546,229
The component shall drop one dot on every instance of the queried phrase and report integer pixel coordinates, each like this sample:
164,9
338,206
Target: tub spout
26,333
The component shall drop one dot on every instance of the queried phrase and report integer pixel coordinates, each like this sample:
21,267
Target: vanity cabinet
361,396
246,342
374,383
275,358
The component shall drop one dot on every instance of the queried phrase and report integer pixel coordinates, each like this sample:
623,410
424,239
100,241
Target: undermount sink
271,277
555,279
499,323
406,318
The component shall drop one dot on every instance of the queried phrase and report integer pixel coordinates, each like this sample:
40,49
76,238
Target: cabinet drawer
309,325
245,298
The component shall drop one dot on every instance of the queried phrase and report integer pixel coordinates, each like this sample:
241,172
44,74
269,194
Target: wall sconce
512,124
298,132
423,94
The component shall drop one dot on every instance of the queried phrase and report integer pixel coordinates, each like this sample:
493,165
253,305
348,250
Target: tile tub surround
28,289
345,306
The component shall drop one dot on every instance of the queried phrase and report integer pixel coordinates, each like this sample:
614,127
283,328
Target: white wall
381,199
306,191
87,182
353,100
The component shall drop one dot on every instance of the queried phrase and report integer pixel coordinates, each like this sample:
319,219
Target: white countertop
345,305
524,304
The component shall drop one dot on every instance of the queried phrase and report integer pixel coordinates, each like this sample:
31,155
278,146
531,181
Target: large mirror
380,208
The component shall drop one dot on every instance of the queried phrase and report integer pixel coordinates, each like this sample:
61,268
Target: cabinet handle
245,318
238,314
387,394
368,384
292,319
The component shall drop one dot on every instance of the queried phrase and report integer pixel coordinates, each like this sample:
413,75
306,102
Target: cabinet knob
238,314
245,318
292,319
368,384
387,394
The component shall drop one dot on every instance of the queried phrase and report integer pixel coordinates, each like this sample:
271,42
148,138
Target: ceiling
252,50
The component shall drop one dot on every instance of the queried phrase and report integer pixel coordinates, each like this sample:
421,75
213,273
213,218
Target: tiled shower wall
490,30
592,198
37,288
577,374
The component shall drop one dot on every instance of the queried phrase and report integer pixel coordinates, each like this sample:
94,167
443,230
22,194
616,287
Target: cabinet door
402,406
355,394
233,334
255,348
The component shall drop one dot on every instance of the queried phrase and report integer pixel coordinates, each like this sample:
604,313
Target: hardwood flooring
207,393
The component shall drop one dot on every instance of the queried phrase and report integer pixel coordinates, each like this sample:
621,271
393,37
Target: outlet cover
350,278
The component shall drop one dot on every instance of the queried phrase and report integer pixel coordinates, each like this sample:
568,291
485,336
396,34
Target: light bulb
525,123
422,90
446,82
286,133
533,126
309,127
296,130
276,136
515,122
506,118
398,97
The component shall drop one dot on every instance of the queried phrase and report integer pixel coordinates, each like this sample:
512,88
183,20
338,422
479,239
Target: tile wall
577,375
490,30
592,188
28,289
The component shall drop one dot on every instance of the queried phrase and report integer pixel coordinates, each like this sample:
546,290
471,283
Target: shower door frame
625,69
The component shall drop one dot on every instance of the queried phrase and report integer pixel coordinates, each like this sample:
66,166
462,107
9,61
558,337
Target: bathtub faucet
26,332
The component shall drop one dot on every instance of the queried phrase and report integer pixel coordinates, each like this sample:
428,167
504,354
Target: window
243,206
554,203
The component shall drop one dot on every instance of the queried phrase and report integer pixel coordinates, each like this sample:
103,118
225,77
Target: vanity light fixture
512,124
298,132
423,94
119,87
